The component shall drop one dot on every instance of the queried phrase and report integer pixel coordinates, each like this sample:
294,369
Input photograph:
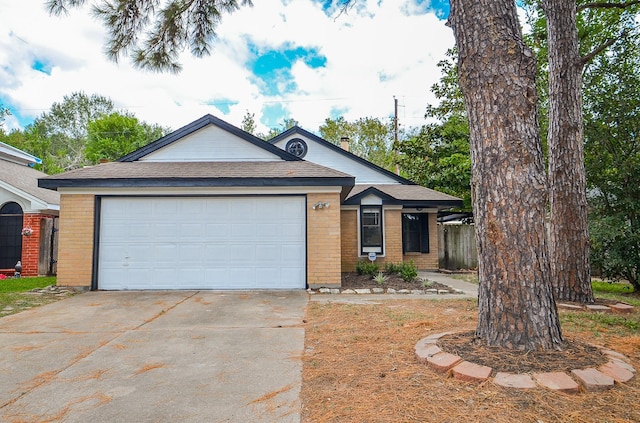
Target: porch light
320,205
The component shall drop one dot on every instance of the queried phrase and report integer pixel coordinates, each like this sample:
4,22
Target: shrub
392,268
408,271
365,267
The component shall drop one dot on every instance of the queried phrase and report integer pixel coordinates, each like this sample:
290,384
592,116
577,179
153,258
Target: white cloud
374,52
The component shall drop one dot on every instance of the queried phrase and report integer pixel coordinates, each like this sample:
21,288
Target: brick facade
392,241
31,244
323,241
75,254
427,261
349,239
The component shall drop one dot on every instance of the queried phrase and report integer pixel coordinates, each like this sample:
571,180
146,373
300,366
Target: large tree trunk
497,77
568,227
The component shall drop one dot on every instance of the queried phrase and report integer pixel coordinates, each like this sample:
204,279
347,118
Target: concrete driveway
187,356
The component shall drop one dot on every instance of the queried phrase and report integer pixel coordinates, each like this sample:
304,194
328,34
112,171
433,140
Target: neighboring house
210,206
24,205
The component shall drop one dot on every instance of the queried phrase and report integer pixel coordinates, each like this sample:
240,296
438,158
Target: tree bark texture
497,76
568,226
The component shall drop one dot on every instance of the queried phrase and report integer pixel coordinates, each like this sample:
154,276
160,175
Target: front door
10,235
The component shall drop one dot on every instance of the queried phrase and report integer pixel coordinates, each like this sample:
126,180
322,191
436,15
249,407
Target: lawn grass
25,284
15,296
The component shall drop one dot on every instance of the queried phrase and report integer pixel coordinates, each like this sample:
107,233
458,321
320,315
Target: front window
415,233
371,229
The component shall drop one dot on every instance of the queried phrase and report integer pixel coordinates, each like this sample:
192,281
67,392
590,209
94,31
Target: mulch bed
576,355
356,281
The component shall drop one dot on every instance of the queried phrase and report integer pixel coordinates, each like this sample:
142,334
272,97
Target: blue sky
280,59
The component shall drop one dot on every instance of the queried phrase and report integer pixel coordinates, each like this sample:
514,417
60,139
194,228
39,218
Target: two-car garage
227,242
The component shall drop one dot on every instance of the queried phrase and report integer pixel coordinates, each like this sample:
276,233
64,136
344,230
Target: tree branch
606,5
589,57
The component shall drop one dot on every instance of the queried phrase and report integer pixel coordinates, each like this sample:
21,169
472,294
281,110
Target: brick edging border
617,370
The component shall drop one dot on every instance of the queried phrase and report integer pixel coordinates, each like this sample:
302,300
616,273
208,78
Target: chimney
344,143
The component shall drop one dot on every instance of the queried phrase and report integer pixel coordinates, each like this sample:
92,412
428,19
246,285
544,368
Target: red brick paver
621,308
443,361
512,380
424,351
557,381
598,308
619,373
471,372
592,379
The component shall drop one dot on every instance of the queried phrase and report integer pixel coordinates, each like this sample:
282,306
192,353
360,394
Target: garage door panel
268,253
241,253
190,254
216,232
162,254
243,277
291,253
202,243
216,253
267,231
241,231
217,277
191,230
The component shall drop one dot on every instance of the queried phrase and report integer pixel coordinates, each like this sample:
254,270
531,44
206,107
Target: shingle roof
25,179
275,173
404,194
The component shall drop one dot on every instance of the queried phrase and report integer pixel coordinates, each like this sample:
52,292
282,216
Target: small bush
392,268
365,267
380,278
408,271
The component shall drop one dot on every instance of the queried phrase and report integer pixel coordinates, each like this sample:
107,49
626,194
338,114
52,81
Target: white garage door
202,243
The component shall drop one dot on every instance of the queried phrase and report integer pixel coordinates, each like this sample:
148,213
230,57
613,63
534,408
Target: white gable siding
210,144
322,155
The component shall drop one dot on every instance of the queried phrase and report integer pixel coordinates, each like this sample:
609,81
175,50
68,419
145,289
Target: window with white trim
371,229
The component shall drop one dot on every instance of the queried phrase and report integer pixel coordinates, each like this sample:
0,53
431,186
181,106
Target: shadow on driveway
163,356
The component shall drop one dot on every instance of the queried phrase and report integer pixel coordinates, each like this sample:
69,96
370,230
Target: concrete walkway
469,289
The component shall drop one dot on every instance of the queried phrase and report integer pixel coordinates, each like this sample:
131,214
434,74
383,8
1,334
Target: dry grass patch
359,366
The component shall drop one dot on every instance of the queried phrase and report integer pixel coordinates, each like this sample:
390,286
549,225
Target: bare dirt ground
359,366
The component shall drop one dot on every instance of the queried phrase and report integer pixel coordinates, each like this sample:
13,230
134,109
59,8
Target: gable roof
406,195
336,148
23,181
199,124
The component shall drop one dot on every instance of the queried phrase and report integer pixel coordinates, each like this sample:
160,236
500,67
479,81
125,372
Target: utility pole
395,132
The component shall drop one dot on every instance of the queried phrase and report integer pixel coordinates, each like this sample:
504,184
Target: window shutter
424,233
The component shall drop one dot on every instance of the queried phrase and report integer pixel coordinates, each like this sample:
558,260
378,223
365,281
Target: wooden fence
48,254
457,246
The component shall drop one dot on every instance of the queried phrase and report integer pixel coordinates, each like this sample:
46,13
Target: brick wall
349,239
392,239
31,244
427,261
393,242
75,245
323,241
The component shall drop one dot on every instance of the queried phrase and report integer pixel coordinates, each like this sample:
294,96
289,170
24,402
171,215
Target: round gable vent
297,147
